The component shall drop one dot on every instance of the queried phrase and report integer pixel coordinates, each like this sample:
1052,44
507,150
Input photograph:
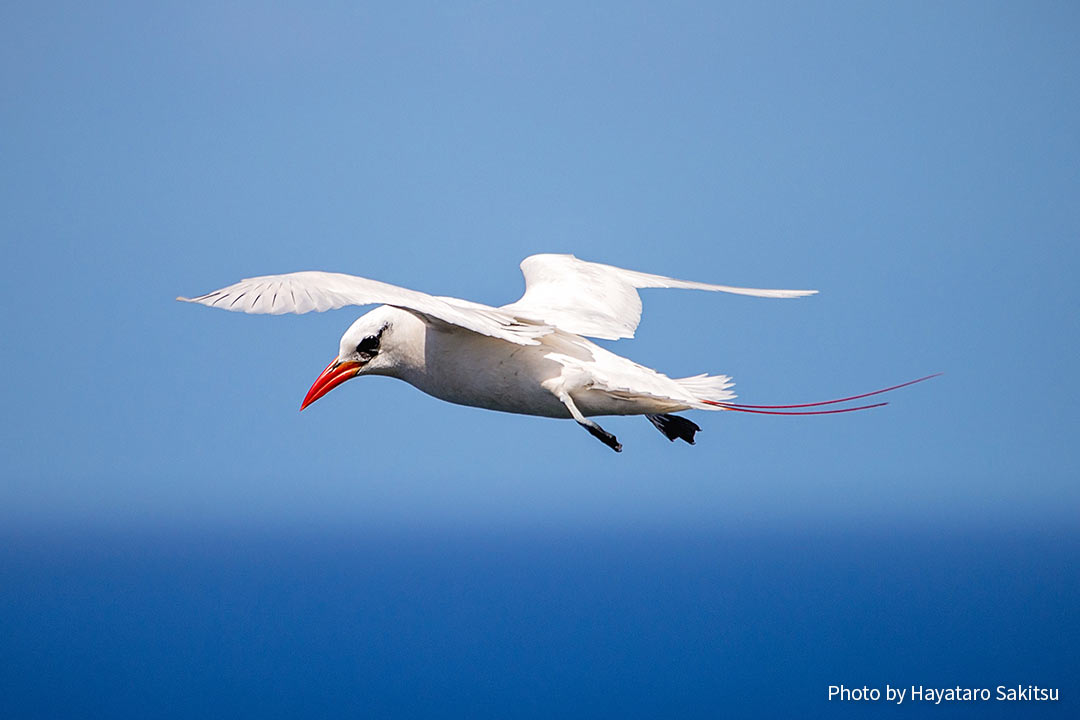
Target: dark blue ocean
621,623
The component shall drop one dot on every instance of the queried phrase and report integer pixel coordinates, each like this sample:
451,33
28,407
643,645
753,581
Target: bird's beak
335,373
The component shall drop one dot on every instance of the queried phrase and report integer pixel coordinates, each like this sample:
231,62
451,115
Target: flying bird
532,357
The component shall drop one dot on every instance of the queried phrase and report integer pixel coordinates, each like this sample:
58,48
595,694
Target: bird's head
368,347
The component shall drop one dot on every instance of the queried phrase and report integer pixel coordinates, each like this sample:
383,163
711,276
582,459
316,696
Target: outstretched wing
303,292
596,300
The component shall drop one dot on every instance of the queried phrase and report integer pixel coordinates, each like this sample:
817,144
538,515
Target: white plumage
600,301
530,357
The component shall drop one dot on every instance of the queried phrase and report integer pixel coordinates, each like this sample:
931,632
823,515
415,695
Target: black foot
675,427
603,436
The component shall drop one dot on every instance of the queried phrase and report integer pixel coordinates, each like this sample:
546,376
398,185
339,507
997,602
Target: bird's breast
469,369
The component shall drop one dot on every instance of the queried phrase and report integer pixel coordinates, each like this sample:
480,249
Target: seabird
532,357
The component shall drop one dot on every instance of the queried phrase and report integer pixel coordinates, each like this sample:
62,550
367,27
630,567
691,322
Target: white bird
531,357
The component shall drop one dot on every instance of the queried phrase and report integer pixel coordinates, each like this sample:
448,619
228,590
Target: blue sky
177,540
918,164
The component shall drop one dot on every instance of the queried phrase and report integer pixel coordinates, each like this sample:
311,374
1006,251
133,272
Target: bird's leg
601,434
595,430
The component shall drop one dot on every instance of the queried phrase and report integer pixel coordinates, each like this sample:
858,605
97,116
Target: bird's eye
368,347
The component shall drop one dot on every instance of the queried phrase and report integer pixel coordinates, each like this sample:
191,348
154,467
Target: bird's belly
522,401
512,393
474,370
493,375
518,389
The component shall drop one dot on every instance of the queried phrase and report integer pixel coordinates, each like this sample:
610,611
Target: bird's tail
800,408
709,390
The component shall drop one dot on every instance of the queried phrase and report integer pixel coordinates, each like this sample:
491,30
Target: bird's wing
303,292
596,300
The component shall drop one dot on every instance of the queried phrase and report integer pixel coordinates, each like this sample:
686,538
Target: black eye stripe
368,345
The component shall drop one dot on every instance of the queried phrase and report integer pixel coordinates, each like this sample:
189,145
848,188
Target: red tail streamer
738,406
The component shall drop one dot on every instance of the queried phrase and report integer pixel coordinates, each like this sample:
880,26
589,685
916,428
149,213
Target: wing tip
788,294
